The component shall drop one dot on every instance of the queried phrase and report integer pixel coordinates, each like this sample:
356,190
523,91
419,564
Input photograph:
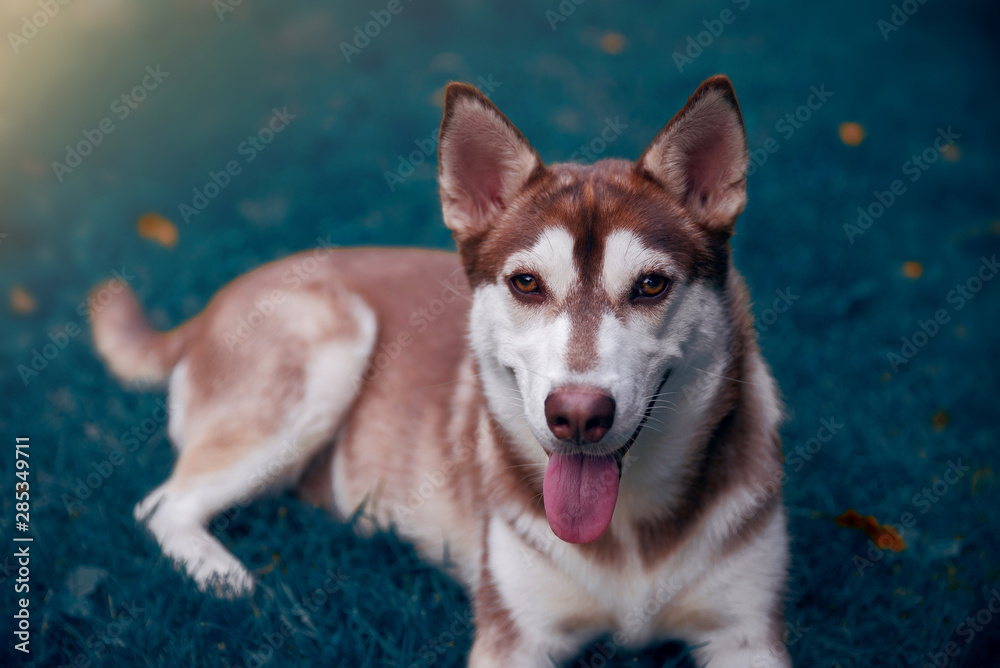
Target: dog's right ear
483,161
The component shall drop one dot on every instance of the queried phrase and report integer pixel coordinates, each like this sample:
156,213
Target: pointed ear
483,161
700,157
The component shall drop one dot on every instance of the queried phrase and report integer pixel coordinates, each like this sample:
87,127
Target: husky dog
570,414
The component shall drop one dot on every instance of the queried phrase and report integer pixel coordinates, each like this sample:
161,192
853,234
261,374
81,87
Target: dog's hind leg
249,418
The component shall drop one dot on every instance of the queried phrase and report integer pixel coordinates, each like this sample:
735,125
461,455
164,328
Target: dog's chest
555,588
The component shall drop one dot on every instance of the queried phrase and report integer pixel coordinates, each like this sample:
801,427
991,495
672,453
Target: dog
570,415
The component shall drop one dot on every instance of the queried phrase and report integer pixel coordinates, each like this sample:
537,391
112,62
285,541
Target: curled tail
132,350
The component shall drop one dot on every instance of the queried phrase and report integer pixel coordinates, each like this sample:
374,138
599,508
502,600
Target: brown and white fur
392,381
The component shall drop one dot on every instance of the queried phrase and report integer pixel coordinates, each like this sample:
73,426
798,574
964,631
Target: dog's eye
651,285
525,283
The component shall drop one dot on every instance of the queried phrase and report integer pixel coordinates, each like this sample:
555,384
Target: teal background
324,177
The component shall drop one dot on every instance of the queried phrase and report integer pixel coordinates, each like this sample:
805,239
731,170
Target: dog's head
592,283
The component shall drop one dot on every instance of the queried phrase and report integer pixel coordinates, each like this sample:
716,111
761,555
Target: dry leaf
156,228
951,153
883,535
21,301
613,43
913,269
851,134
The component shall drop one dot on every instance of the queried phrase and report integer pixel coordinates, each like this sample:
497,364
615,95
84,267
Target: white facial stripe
626,258
552,258
538,357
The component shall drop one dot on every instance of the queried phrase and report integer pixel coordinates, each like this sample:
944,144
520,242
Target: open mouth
580,491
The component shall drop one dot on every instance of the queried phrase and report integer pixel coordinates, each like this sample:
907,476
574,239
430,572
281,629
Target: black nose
580,414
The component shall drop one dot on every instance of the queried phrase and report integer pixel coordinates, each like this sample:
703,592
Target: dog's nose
580,414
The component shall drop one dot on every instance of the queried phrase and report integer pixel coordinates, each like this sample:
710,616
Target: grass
100,592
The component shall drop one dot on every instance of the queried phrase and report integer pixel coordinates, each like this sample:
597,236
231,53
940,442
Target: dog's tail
132,350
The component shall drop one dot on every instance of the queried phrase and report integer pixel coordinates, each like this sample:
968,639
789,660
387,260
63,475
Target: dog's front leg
494,651
500,642
515,625
742,655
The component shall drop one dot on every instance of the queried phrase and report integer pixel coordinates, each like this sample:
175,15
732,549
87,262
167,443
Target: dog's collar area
622,451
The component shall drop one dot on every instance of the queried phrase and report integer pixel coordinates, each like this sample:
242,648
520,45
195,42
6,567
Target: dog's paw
145,508
224,576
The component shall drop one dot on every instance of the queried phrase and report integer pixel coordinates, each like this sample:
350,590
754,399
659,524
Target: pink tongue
580,495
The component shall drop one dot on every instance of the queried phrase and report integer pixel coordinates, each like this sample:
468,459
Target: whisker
718,375
521,466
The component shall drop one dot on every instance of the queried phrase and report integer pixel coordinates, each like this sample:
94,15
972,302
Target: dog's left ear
483,161
700,157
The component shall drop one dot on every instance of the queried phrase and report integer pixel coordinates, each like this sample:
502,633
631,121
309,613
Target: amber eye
525,283
651,285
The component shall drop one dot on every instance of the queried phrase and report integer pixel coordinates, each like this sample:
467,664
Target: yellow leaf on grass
21,301
951,153
883,535
156,228
851,134
940,420
613,43
913,269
